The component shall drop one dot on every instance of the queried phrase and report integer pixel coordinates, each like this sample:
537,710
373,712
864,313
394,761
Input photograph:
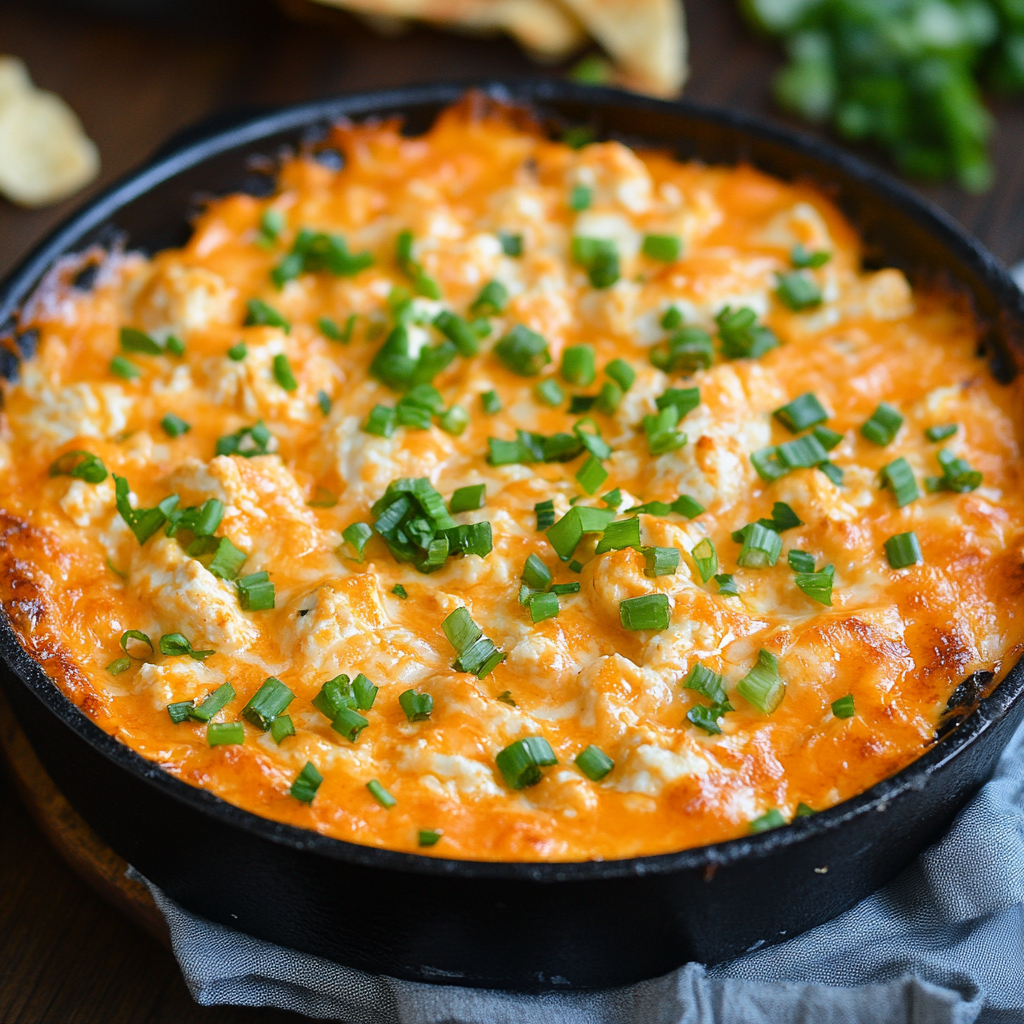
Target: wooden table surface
64,955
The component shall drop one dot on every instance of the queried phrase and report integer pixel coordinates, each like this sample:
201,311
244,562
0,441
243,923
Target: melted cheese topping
75,577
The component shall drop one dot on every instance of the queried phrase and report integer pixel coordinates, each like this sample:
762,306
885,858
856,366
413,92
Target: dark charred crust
963,700
85,279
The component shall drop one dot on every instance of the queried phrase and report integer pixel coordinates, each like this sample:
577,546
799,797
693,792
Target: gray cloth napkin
942,944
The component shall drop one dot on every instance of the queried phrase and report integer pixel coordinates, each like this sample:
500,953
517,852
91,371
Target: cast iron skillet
520,926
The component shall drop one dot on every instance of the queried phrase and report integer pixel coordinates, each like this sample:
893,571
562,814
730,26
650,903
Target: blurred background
928,88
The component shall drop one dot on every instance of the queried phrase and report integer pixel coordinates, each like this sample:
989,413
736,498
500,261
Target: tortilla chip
45,155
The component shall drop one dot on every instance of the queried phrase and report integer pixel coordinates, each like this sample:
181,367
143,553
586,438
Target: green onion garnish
536,574
706,559
833,472
174,345
381,421
623,533
324,401
566,534
766,462
506,698
941,431
259,314
330,329
80,464
520,763
175,645
883,425
543,606
817,585
707,683
622,373
594,763
474,652
803,811
381,795
843,708
899,478
769,820
364,691
174,426
801,257
761,547
660,561
334,696
453,327
178,711
671,318
213,703
648,612
429,836
762,686
283,372
523,351
511,245
802,453
800,561
706,717
115,668
247,442
548,392
797,290
662,435
684,351
584,403
467,499
314,251
491,402
349,723
727,584
221,734
399,591
545,511
492,300
144,522
238,352
281,728
591,475
306,783
565,588
267,703
121,367
803,412
957,475
828,439
580,198
357,535
599,257
578,365
903,550
255,592
741,335
666,248
683,400
133,340
271,225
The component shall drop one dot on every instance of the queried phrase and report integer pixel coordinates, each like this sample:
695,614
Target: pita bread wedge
45,155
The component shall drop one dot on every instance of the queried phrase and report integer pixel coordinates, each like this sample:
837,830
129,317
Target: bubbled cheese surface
74,577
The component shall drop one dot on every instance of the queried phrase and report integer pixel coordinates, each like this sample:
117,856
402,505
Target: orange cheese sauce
74,576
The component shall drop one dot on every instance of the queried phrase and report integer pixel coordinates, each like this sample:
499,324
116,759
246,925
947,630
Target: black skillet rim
172,160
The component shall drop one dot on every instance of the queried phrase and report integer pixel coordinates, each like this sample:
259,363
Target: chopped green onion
381,795
334,696
543,606
706,559
727,584
833,472
364,691
706,718
178,711
843,708
144,522
623,533
330,329
803,811
803,453
817,585
238,352
269,701
511,245
599,257
221,734
576,566
899,478
591,475
491,402
594,763
767,463
227,560
707,683
259,314
828,439
741,335
804,411
80,464
523,351
883,425
453,327
283,372
580,198
271,225
660,561
357,535
548,392
255,592
175,645
666,248
121,367
957,475
800,561
520,763
671,318
133,340
281,728
381,421
213,703
545,511
324,401
684,351
399,591
941,431
174,426
683,400
761,547
662,435
475,653
762,686
578,365
584,403
536,574
410,415
314,251
649,612
174,345
506,698
492,300
769,820
467,499
306,783
801,257
247,442
622,373
429,836
566,534
566,588
348,723
797,290
115,668
902,550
